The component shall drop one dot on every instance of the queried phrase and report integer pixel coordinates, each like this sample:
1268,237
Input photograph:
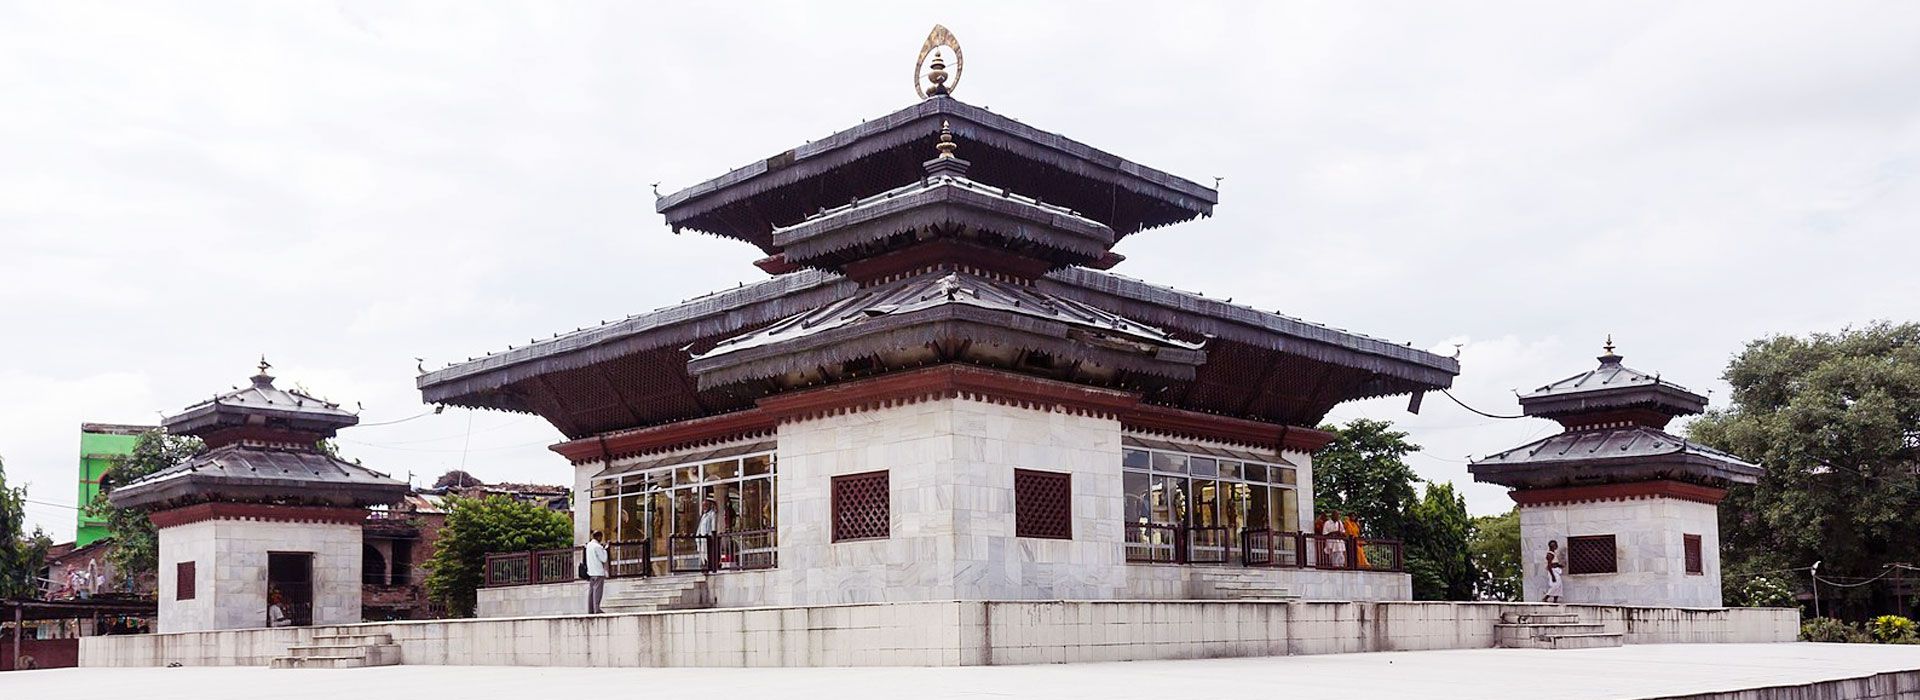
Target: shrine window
1042,504
1217,494
862,506
183,578
641,507
1592,554
1696,564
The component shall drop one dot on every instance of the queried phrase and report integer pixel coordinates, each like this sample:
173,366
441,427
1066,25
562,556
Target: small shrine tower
264,510
1634,508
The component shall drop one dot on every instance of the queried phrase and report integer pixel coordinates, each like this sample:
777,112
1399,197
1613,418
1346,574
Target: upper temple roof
261,403
1612,391
881,154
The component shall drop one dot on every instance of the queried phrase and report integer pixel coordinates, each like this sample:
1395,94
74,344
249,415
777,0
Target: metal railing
1348,553
1155,543
630,558
526,568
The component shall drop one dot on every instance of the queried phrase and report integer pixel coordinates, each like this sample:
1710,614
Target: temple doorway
291,575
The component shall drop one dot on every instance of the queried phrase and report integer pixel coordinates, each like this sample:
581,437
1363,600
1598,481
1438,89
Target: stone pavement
1638,671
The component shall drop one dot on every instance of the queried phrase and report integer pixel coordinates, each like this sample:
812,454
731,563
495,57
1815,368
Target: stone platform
965,633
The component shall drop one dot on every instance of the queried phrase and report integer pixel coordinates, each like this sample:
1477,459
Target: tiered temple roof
262,447
941,233
1614,417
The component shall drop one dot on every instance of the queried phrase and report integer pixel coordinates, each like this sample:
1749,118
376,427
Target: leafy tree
1438,530
135,546
1835,419
1363,473
476,527
1494,545
21,554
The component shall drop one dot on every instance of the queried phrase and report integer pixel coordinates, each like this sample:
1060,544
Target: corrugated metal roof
1609,375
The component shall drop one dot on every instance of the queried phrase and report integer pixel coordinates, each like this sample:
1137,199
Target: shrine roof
252,473
749,202
1625,453
261,397
1610,387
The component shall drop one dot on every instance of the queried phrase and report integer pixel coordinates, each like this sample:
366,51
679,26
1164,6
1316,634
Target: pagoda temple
939,393
263,512
1633,508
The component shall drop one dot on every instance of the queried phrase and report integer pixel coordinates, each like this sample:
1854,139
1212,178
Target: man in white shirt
596,572
709,524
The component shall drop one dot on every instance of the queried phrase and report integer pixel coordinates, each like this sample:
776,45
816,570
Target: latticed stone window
183,581
1042,504
861,506
1695,562
1591,554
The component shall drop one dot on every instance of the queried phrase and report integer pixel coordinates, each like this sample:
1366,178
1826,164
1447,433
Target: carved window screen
183,581
1591,554
861,506
1696,564
1042,504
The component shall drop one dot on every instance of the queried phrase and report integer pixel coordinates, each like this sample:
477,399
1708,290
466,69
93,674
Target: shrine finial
263,379
935,72
946,145
1609,357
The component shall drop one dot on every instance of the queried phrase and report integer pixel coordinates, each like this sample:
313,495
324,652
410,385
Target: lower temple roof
1606,455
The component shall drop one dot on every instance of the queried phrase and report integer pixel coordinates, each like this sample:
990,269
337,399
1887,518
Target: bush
1827,629
1891,629
1763,592
478,527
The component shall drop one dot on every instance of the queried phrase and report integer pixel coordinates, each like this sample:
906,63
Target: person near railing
1334,545
703,533
596,561
1352,526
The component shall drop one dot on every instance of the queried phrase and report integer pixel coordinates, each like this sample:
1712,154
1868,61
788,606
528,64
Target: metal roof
261,397
242,472
1625,453
1611,386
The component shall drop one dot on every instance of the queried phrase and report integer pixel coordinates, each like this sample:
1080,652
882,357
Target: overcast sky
346,186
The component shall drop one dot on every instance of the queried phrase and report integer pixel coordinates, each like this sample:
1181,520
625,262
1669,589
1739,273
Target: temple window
1695,563
640,508
1209,495
862,507
1042,504
183,581
1591,554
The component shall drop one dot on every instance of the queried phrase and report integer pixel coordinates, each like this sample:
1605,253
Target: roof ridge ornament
946,163
1609,357
263,379
935,72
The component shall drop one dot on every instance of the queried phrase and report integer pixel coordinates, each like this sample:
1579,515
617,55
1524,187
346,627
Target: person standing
709,524
277,611
1335,540
1556,573
1352,527
596,571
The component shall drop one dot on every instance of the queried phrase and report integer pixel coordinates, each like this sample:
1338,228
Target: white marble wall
1176,582
230,560
1648,542
945,634
950,465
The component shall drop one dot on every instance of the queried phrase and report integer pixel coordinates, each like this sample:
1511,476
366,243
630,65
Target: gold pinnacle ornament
935,72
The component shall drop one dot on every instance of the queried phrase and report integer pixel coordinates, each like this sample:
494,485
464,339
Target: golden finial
946,144
1609,357
1609,346
264,366
936,70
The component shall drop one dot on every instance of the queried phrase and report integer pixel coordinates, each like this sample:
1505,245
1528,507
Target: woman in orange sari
1352,527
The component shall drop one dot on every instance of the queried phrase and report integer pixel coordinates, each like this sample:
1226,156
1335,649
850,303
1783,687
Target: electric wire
1464,405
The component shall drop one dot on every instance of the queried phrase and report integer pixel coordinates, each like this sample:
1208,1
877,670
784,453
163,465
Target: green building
99,444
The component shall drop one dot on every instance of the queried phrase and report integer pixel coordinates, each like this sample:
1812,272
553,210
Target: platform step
338,656
1539,618
1587,641
337,638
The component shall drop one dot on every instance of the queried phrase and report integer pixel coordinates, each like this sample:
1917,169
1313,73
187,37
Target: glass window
1259,510
1169,503
1255,472
1289,509
1133,459
602,518
606,487
1281,475
757,465
1139,490
1229,469
632,518
756,505
1204,466
726,469
687,475
1169,462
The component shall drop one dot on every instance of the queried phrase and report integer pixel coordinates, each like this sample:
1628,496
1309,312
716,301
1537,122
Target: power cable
1464,405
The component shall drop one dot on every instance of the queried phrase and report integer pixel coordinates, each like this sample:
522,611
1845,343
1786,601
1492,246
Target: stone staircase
676,592
1239,584
341,651
1554,630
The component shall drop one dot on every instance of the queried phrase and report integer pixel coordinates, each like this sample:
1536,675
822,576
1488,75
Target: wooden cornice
256,511
1619,492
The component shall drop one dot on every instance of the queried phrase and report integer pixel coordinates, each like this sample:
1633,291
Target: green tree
1494,545
135,546
1835,419
477,527
1363,473
1438,530
22,555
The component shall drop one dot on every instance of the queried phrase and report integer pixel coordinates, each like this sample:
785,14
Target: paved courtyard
1646,671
